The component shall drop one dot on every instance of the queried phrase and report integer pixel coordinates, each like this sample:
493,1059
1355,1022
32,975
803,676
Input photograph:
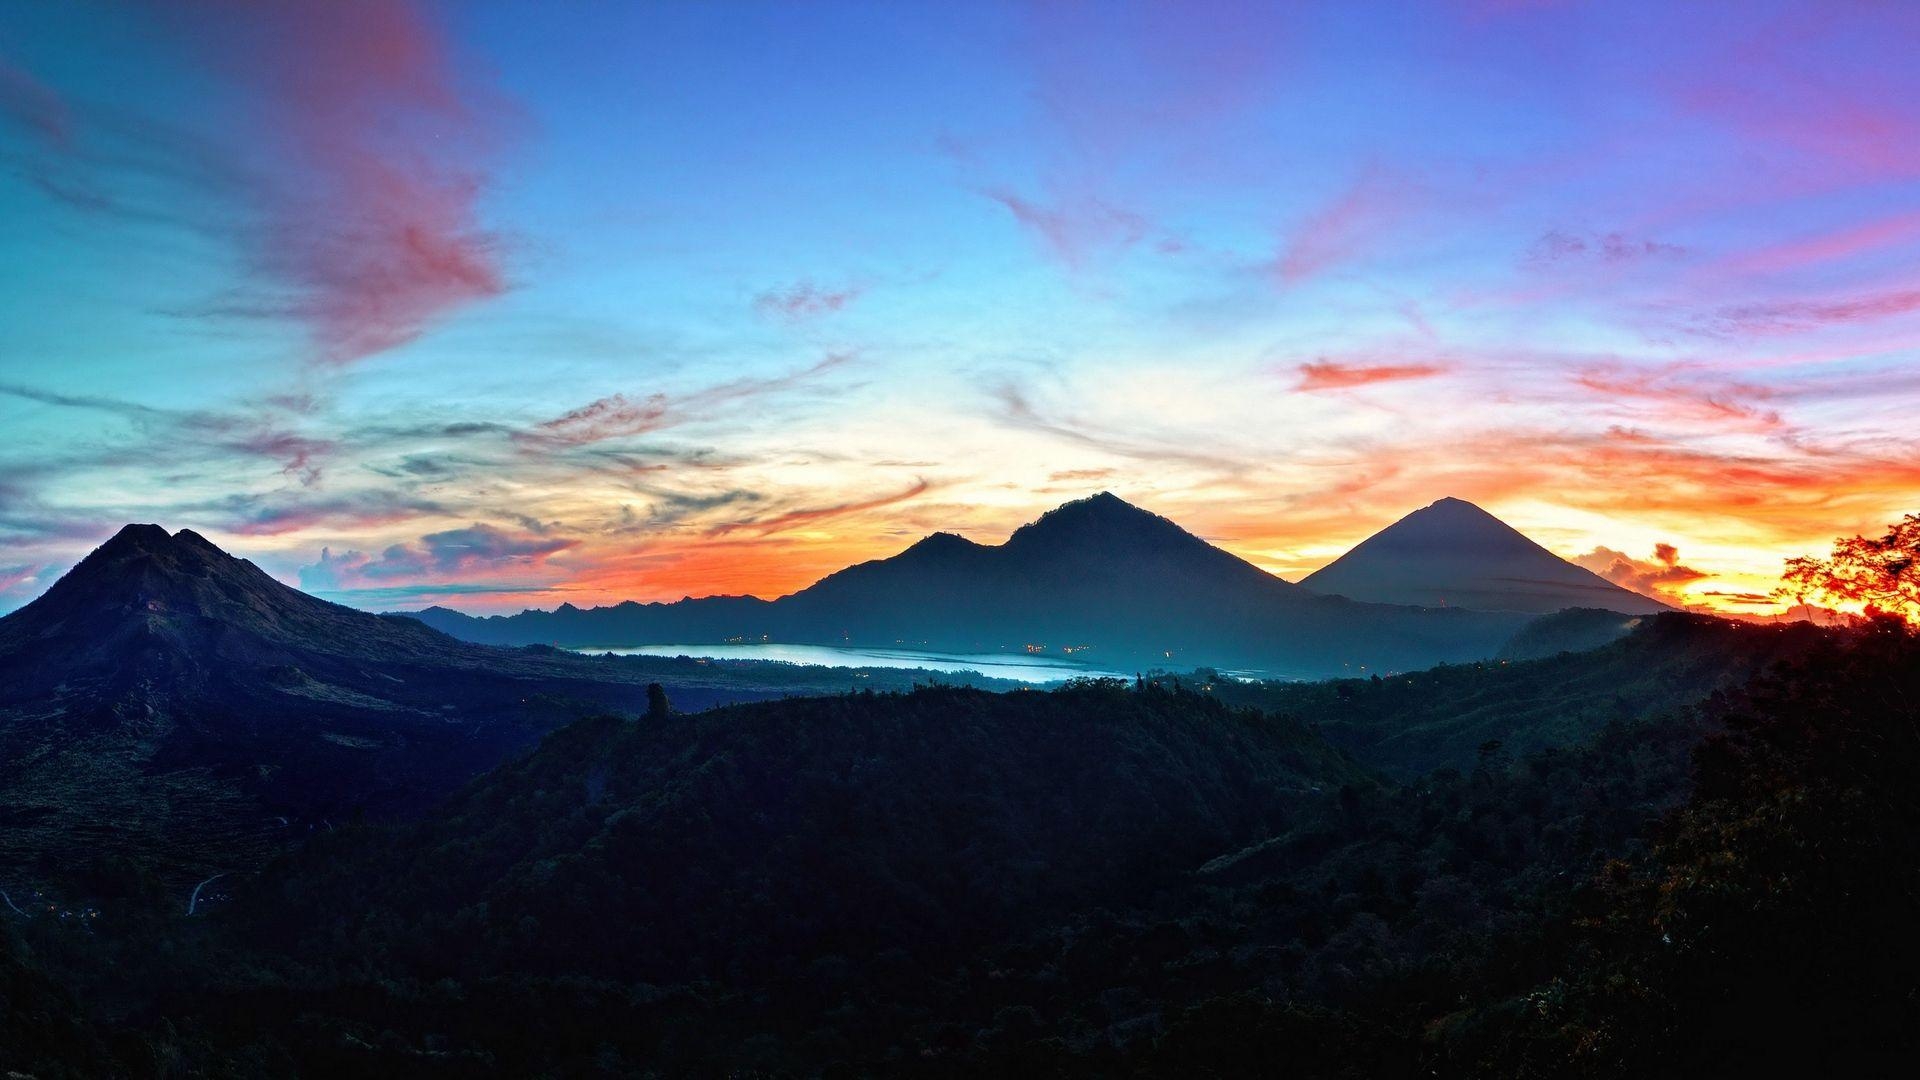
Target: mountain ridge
1098,573
168,704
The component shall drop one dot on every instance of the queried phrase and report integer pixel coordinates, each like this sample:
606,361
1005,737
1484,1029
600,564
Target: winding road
194,900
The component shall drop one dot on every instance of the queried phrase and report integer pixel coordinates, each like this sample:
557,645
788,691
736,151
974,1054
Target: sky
502,305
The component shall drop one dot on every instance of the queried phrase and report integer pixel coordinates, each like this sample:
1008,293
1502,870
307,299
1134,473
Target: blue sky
506,304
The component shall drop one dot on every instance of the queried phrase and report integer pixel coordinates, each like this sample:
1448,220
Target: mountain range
1133,590
169,703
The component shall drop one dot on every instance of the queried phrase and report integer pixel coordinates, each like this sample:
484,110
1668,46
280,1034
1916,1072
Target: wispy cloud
619,416
1780,317
1019,411
1557,246
262,431
454,556
812,515
805,300
1677,395
1077,227
370,228
29,102
1351,224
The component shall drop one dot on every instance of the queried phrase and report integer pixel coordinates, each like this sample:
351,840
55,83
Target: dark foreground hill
1132,589
1100,881
170,706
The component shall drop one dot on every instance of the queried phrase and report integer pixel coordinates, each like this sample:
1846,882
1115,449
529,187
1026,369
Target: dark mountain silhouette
171,704
1131,586
1454,554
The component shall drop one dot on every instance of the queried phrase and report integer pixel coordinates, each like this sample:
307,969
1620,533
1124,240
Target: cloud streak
1323,375
805,300
478,551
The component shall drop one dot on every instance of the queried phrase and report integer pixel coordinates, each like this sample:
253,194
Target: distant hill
1133,588
1572,630
1454,554
1410,724
169,703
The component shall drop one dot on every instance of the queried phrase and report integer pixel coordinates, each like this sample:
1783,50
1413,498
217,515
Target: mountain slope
168,703
1454,554
1133,588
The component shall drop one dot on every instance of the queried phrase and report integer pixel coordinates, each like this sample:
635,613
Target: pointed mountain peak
136,537
1452,505
1453,524
144,578
1452,553
1095,512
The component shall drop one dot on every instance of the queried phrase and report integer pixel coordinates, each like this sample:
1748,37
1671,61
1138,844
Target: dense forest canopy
1113,878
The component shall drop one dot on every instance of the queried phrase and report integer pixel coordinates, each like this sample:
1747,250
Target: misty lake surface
1031,669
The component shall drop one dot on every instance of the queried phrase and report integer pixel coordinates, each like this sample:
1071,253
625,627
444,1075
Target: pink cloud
1813,251
1672,395
1073,229
373,228
12,578
1333,375
1344,228
1831,90
606,418
1770,318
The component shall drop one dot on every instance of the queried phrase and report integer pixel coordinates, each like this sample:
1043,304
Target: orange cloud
1659,578
1332,375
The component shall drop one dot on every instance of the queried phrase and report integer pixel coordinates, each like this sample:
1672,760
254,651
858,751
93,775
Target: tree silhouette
1883,574
658,707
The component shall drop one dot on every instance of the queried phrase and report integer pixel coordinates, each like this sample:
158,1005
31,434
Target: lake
1029,669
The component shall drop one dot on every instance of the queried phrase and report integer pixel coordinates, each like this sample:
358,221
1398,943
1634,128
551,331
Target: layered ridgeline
170,704
1454,554
1134,588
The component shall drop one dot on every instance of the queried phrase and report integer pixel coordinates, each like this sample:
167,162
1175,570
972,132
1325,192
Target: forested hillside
1407,725
1110,879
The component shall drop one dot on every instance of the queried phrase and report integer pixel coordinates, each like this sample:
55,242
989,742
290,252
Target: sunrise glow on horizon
443,303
